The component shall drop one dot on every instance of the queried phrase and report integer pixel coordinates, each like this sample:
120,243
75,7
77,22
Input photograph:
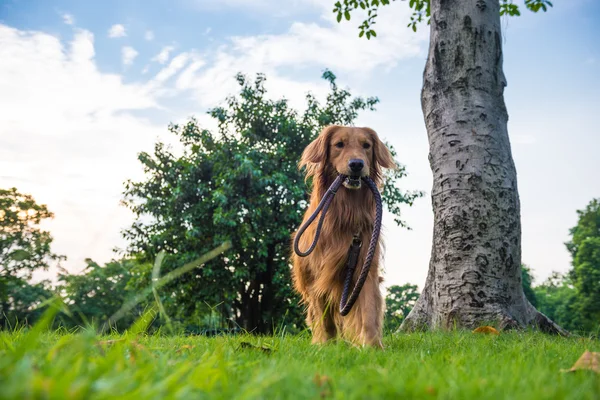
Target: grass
453,365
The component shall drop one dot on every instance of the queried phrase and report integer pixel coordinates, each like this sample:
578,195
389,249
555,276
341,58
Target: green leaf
339,17
20,255
347,15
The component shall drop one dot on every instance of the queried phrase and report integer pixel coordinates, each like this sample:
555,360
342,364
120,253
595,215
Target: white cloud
68,19
149,36
176,64
128,54
304,45
163,56
207,31
67,137
116,31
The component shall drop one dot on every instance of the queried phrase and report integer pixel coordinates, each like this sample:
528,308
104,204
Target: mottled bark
475,268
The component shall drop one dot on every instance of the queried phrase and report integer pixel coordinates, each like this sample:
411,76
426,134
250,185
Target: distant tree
584,247
97,293
240,184
557,298
475,266
398,303
24,248
527,283
23,301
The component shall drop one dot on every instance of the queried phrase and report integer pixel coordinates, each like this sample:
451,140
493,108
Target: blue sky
85,86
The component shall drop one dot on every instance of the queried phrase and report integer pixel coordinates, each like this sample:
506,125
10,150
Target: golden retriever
319,277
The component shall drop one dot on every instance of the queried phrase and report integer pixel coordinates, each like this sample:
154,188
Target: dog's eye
339,145
366,146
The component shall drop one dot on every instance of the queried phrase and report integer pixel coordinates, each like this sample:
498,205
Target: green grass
455,365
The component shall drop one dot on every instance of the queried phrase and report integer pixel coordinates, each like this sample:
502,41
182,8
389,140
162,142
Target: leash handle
346,302
323,206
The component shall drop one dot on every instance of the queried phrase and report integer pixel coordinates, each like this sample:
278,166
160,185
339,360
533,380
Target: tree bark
475,268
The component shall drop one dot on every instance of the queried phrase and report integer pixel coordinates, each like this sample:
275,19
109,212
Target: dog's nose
356,165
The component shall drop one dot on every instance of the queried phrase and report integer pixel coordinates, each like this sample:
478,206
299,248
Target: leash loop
323,205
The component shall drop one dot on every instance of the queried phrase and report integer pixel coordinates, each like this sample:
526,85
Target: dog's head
354,152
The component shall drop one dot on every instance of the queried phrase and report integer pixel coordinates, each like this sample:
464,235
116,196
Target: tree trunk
475,268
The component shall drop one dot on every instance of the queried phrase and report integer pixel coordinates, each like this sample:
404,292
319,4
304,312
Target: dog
319,277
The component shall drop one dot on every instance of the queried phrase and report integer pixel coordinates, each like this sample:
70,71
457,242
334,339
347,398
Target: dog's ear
382,157
381,154
316,152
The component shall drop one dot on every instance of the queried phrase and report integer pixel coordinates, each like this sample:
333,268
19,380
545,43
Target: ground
454,365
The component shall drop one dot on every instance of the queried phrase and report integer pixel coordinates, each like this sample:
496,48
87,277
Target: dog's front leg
371,309
320,320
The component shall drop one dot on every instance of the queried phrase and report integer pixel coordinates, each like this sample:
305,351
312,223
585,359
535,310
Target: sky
86,86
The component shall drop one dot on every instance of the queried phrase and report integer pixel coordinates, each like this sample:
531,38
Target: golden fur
319,277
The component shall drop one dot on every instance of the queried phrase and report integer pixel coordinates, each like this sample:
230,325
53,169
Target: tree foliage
584,247
22,301
24,248
421,11
398,303
239,184
557,299
527,283
97,293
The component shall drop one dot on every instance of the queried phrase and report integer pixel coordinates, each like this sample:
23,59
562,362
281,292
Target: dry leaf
185,347
431,390
320,380
486,329
325,383
588,360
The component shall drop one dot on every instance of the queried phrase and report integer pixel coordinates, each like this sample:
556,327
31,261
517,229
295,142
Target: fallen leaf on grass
321,380
431,390
246,345
325,383
486,329
588,360
185,347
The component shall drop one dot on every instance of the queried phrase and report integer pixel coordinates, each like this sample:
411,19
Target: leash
346,302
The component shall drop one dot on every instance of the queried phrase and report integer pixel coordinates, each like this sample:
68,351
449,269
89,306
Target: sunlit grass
457,365
39,364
